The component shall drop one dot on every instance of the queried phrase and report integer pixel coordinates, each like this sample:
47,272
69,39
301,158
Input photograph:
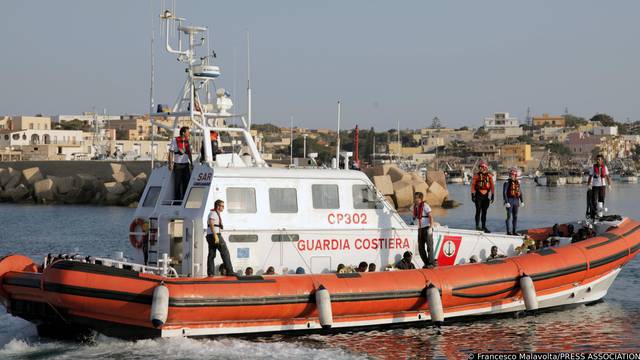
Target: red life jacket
417,212
483,182
599,171
513,189
183,145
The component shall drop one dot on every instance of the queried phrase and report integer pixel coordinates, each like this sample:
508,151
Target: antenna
338,140
153,132
248,83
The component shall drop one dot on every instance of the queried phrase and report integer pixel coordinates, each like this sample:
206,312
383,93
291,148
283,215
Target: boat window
283,200
363,197
196,197
243,238
285,237
241,200
325,196
152,197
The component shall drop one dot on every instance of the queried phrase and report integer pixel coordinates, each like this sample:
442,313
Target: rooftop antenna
529,118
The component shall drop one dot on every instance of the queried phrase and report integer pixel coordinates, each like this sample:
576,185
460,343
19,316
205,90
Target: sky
387,61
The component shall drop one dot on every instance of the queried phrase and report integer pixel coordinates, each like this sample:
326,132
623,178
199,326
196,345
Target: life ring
136,240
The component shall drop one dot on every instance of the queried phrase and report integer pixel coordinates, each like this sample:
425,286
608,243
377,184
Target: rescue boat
121,301
290,218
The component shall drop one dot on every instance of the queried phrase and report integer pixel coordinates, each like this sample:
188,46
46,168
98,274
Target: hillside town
500,139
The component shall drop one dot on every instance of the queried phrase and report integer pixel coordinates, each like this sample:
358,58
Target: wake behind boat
290,219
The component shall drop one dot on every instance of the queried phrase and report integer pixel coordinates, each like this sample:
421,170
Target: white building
501,125
605,131
65,144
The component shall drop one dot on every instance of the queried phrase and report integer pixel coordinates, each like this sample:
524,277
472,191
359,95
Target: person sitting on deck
405,263
473,259
270,271
222,270
248,271
362,267
494,254
555,230
340,269
300,270
372,267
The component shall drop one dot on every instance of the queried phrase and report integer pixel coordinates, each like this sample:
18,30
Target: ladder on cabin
152,256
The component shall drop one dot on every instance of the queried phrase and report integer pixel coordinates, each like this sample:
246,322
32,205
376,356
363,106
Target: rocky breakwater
398,186
32,185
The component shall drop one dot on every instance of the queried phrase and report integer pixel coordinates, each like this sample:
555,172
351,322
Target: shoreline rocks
32,185
398,186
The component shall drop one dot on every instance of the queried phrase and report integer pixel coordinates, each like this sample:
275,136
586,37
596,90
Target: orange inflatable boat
74,295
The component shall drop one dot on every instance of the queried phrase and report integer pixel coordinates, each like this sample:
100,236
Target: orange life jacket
513,189
483,181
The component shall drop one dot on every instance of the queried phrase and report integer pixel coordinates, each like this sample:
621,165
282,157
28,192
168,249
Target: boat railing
163,270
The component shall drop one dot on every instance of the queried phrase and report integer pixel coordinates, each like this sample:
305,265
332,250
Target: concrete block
45,190
383,169
114,188
420,186
120,172
415,176
390,200
383,184
397,174
32,175
63,184
86,182
436,195
11,178
403,191
436,176
138,183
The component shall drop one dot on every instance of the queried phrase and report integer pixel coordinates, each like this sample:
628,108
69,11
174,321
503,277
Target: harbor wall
74,182
100,169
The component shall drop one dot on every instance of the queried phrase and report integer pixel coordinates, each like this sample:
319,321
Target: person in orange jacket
482,194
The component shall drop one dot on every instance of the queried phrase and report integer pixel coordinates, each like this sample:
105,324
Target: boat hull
118,302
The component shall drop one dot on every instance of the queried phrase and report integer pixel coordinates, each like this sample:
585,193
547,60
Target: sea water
610,325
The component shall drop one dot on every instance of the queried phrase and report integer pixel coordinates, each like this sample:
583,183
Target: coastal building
516,155
395,148
548,120
501,125
582,143
85,117
22,122
5,122
605,131
138,149
46,144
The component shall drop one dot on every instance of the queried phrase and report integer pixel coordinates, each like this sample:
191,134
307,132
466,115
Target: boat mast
248,83
338,140
151,110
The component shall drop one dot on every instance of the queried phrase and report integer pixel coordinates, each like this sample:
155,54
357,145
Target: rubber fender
528,293
159,306
435,304
323,302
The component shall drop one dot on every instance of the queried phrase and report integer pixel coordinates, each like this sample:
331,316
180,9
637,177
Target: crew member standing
423,218
598,180
512,196
481,186
180,162
213,136
216,242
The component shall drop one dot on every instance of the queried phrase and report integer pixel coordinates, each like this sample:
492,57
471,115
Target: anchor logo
449,248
